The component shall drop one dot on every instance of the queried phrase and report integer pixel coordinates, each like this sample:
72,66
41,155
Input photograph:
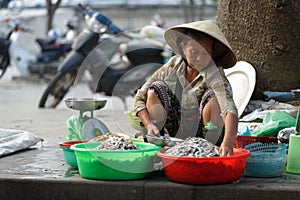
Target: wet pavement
41,172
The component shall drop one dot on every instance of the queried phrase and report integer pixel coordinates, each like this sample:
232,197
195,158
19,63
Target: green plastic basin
115,164
69,154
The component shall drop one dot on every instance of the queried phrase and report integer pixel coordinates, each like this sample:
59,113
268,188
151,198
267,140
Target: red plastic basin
70,143
212,170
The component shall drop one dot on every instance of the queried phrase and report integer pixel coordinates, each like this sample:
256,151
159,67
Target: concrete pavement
41,172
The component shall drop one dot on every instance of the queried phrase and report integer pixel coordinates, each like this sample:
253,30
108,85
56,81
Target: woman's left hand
231,124
225,150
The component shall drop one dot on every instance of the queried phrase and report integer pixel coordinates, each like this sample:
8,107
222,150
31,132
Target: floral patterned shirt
175,69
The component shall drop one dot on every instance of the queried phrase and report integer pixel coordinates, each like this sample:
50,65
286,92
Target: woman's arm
231,124
216,79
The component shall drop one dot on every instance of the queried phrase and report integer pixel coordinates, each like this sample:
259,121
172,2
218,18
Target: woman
191,91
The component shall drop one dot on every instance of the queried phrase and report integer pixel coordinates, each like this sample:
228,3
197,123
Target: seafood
194,147
116,143
104,137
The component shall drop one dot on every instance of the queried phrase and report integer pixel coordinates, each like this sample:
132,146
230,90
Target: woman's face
198,53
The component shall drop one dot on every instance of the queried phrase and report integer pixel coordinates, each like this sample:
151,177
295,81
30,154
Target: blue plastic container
266,160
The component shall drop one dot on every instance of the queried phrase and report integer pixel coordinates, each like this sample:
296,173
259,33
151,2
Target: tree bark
188,10
51,8
267,35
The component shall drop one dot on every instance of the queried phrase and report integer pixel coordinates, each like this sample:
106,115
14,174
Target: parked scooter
27,62
118,62
54,49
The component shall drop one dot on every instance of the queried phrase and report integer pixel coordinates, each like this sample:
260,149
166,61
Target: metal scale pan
85,104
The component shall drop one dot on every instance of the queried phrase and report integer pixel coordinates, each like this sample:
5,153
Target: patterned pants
181,123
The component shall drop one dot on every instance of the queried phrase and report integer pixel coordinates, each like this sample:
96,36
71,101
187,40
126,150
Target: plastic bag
74,128
16,140
244,131
273,123
258,109
279,96
212,133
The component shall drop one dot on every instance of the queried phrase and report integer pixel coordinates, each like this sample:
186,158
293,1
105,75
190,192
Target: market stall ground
41,172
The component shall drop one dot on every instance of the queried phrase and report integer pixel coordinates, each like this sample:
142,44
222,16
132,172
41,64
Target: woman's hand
148,124
152,130
231,124
225,150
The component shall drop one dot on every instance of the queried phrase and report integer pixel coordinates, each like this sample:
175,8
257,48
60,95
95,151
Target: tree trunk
51,8
267,35
188,10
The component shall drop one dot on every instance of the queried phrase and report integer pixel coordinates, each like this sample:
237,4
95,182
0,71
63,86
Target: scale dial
93,128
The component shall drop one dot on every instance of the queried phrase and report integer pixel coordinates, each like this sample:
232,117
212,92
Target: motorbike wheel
4,62
57,89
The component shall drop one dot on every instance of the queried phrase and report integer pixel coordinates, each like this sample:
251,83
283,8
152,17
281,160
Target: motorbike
118,62
52,49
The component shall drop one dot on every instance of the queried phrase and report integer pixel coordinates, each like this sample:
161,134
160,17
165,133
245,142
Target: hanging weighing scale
85,126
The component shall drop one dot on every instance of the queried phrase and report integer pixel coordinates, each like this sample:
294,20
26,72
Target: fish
117,143
194,147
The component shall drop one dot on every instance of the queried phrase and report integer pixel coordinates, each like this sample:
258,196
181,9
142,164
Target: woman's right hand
152,130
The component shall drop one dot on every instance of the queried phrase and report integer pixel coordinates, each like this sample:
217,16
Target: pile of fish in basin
191,161
197,161
115,157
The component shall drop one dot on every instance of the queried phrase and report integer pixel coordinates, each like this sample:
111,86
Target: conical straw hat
221,48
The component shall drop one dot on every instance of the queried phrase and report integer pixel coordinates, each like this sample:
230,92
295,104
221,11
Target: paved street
19,108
